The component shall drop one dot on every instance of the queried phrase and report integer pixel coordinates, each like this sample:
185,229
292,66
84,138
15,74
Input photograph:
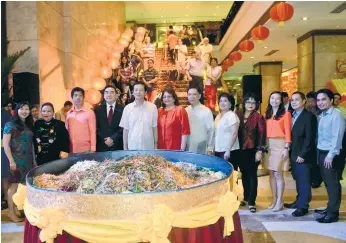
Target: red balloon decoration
235,56
281,13
260,33
228,63
246,46
224,69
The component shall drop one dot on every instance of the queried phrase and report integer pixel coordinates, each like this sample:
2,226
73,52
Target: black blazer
103,129
304,133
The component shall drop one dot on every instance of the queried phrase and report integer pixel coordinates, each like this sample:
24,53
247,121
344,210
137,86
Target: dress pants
301,174
248,167
331,178
197,81
234,160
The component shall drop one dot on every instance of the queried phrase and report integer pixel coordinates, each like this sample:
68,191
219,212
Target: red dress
172,125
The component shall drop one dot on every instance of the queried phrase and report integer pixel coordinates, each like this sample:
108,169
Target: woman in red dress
173,122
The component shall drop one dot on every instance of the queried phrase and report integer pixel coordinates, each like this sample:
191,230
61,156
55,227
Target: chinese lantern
106,72
114,62
281,13
99,84
224,68
93,96
228,63
246,46
235,56
260,33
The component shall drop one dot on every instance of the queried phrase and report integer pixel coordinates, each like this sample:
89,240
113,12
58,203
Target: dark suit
303,145
103,129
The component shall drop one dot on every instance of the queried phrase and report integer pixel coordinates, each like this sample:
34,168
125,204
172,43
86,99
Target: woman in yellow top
279,126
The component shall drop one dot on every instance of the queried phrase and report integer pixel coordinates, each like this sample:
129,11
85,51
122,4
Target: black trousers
248,167
234,160
331,178
316,177
301,174
197,81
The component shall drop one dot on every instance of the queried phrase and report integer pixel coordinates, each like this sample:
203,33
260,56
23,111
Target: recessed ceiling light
217,6
337,26
252,57
186,15
214,14
305,18
273,60
187,7
266,47
161,16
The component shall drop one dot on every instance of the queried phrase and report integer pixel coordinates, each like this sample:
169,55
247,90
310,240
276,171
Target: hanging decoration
93,96
281,13
114,62
228,63
235,56
246,46
99,84
224,69
106,72
260,33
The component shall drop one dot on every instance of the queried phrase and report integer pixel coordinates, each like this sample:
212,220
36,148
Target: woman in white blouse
226,126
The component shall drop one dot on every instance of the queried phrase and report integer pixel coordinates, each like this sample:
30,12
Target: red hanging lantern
228,63
246,46
260,33
235,56
224,68
281,13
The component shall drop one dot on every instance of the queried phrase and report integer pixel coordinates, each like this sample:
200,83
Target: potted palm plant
7,65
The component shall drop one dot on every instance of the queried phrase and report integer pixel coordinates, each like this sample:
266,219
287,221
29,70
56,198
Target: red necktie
110,114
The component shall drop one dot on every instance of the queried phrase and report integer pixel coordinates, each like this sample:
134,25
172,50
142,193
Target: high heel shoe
277,209
272,205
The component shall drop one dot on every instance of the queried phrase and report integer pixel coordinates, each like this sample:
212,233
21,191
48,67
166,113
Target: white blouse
222,128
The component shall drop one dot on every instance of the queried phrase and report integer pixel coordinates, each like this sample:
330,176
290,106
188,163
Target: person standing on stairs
207,50
194,72
149,78
148,52
172,41
303,153
180,60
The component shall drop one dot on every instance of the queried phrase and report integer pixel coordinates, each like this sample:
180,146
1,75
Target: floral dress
21,145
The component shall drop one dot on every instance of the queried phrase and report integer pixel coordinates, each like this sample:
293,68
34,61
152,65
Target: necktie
110,114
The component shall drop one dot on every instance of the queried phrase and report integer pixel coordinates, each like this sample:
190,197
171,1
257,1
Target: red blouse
172,125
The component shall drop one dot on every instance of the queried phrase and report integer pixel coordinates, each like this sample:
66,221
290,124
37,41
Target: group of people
280,138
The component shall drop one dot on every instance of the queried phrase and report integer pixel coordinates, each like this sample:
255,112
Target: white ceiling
285,39
176,12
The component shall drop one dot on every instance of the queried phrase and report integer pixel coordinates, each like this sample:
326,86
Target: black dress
50,139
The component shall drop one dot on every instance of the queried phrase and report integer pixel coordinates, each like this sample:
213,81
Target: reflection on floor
264,226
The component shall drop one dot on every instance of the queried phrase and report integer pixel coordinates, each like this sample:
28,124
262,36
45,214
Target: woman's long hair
122,65
29,121
281,111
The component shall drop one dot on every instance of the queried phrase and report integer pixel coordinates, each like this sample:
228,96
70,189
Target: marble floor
264,226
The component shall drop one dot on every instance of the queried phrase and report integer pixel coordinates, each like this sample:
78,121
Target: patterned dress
21,145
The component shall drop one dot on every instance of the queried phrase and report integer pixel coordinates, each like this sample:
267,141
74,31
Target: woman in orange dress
279,126
173,122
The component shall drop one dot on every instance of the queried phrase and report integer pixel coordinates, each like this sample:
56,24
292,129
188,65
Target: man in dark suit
108,116
302,153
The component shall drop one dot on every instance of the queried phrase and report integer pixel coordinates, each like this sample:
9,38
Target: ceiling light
265,47
217,6
273,60
161,16
187,7
214,14
305,18
252,57
337,26
186,15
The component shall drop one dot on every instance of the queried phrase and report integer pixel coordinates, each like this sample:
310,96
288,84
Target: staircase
164,66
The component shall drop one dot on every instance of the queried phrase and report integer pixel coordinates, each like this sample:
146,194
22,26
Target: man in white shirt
194,72
180,61
207,50
201,124
139,121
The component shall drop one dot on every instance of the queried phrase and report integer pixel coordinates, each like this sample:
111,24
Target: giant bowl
127,206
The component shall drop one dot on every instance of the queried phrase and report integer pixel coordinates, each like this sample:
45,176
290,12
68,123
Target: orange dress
172,125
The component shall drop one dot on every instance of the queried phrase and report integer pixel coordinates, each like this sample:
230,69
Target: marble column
271,76
318,51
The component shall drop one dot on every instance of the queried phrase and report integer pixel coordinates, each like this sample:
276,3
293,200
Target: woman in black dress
51,137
